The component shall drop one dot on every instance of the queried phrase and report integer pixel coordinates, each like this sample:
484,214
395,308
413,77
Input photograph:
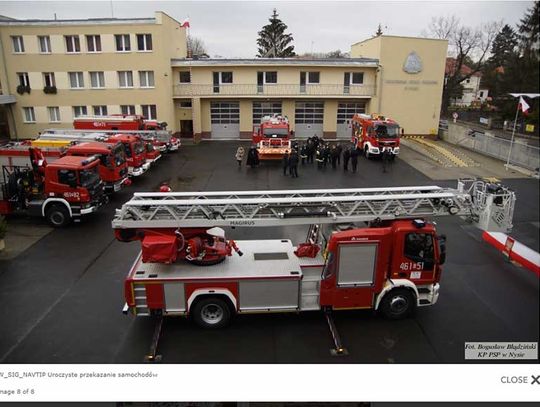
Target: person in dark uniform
334,156
253,157
354,159
285,162
319,157
339,151
346,157
326,154
310,150
303,153
316,141
293,164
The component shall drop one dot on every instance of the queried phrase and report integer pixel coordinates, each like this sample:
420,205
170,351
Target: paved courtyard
61,298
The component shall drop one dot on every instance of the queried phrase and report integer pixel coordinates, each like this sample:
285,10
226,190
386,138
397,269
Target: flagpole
513,133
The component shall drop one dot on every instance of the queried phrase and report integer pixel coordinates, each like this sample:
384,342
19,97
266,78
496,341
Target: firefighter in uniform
346,157
334,156
319,157
285,162
293,164
354,159
310,150
304,153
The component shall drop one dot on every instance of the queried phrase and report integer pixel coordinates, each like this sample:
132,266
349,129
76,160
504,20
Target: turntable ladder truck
391,263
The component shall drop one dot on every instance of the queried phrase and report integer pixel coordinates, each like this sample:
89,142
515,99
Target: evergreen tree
528,32
503,49
273,42
379,32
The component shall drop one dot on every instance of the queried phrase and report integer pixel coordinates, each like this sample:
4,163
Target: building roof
465,70
361,62
83,21
399,36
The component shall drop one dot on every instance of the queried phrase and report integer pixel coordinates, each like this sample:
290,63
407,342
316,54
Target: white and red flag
185,23
524,106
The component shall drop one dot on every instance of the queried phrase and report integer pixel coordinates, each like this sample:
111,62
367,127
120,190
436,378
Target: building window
122,43
44,42
24,80
79,111
73,44
97,80
18,44
54,114
149,112
125,79
144,42
226,77
146,79
270,77
29,115
48,79
357,78
127,109
76,80
100,110
313,77
185,77
93,43
185,104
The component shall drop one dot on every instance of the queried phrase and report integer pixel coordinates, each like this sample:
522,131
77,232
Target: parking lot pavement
61,300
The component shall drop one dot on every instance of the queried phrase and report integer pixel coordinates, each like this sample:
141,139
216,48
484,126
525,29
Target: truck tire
211,313
399,303
58,216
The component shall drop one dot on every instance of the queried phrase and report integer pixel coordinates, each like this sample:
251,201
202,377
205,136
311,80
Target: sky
229,29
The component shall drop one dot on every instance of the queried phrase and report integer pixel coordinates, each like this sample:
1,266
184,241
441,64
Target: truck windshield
281,133
138,147
149,147
119,155
89,176
127,149
386,131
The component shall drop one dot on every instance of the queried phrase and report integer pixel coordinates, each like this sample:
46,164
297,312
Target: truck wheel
398,303
58,216
211,313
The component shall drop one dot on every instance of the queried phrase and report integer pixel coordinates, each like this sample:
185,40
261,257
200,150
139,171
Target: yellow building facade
140,66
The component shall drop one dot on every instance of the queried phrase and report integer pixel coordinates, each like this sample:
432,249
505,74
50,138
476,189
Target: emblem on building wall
413,63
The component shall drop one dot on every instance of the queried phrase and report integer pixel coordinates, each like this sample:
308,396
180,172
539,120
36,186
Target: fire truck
135,149
365,248
272,137
112,161
374,134
150,130
64,190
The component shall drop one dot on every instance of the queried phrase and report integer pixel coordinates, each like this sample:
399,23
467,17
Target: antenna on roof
55,16
112,10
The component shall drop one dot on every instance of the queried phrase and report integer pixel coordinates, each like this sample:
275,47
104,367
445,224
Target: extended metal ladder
78,135
278,208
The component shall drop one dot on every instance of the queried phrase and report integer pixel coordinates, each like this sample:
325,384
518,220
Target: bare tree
467,46
196,47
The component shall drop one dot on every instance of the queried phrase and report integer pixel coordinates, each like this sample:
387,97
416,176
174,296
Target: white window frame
26,78
147,75
17,44
26,111
351,83
56,110
130,109
100,79
100,109
148,109
308,82
270,83
145,42
127,75
221,78
80,80
80,113
71,39
47,42
123,36
91,38
52,79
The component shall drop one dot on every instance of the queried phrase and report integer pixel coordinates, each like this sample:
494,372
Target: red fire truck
272,137
113,167
64,190
150,130
365,248
374,134
134,148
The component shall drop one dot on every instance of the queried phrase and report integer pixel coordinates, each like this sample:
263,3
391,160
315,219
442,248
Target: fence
523,155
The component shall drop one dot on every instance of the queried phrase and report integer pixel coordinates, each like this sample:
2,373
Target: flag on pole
185,23
524,106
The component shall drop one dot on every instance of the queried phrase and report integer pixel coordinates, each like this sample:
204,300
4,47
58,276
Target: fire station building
53,71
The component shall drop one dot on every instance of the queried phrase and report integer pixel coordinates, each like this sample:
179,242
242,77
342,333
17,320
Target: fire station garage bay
398,77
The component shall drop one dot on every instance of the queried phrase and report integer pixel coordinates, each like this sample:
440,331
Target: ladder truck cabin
375,134
61,191
365,248
272,137
150,130
113,169
134,148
